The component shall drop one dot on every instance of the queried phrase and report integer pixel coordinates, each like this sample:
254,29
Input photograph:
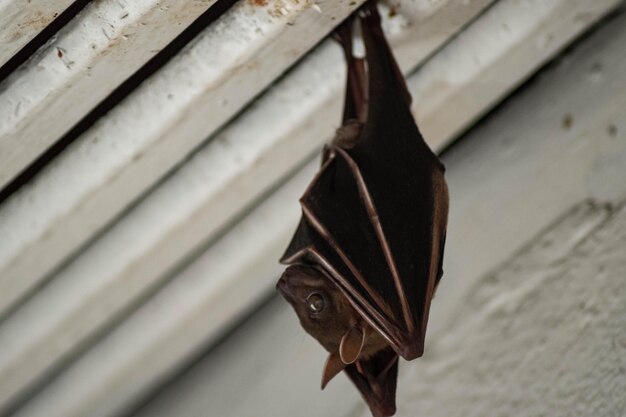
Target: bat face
326,314
323,311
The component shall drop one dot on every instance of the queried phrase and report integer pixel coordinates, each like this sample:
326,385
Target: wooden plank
115,281
514,39
105,179
145,136
103,45
191,311
507,183
22,20
279,368
176,218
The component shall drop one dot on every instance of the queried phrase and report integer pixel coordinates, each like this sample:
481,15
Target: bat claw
343,33
377,382
369,13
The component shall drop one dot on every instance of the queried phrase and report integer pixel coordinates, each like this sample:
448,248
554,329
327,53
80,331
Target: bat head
324,312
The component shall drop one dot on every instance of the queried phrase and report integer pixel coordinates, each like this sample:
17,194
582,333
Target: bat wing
375,216
377,381
336,234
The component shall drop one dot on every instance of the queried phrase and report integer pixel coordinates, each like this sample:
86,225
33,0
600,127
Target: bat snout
285,289
282,286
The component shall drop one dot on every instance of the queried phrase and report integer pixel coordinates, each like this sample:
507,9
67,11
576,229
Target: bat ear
351,344
333,366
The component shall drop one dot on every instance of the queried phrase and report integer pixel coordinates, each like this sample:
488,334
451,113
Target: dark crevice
119,94
44,36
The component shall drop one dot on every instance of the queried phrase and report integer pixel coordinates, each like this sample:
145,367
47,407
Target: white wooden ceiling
159,226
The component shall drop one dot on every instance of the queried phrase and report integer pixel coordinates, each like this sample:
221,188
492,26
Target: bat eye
315,302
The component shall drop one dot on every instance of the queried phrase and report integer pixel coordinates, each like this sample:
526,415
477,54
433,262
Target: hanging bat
367,255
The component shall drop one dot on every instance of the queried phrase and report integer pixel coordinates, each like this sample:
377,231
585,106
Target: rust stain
258,2
36,22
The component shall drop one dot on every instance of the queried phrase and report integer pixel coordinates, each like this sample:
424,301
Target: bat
367,255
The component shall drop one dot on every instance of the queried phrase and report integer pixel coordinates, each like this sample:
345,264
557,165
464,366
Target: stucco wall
544,335
542,331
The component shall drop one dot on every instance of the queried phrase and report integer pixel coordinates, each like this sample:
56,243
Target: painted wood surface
195,210
147,134
97,50
22,20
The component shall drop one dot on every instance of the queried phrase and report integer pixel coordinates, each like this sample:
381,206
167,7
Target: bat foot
348,135
376,380
369,13
343,33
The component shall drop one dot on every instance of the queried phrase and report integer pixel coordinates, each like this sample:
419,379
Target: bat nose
286,289
282,285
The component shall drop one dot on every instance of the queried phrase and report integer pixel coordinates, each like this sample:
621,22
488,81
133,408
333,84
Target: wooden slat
100,178
22,20
205,298
148,133
81,65
493,58
100,280
189,208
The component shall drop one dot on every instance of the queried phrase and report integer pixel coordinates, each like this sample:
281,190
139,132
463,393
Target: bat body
367,255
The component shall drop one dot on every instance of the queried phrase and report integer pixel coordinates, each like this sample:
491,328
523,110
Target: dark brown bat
367,255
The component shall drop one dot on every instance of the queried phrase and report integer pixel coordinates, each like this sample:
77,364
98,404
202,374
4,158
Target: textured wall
539,330
544,335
